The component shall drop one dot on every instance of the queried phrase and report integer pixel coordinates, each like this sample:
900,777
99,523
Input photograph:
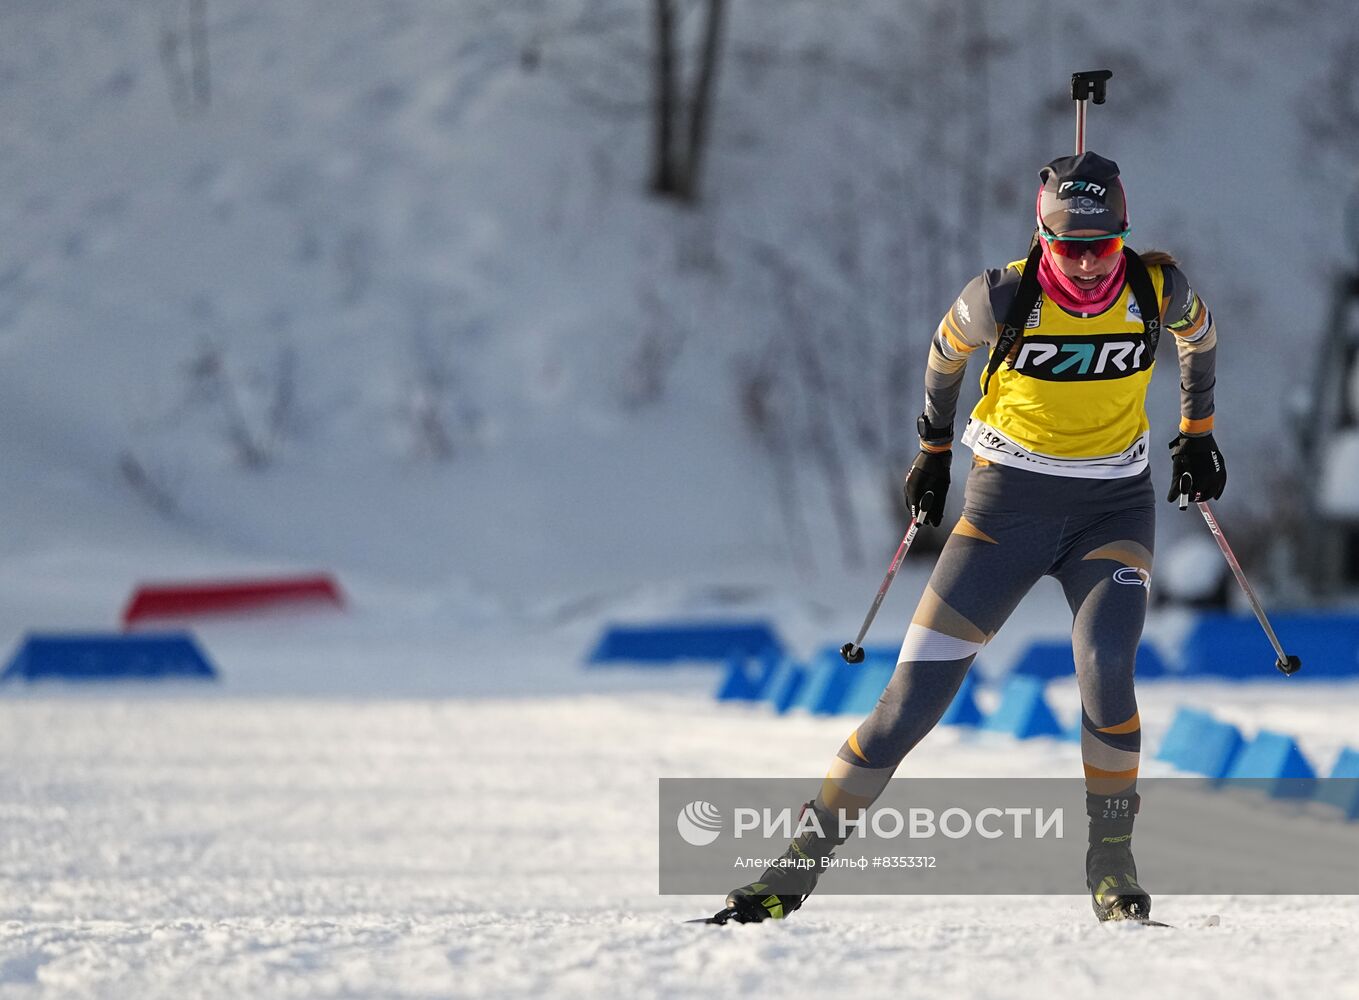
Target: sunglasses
1076,247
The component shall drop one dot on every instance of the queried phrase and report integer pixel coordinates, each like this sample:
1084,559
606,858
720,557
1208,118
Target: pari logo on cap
1069,189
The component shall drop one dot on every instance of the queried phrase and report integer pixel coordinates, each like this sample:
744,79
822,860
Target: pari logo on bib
1067,359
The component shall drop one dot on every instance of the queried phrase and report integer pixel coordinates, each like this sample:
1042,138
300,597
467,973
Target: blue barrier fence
1023,711
1196,742
1218,645
758,669
1232,647
109,657
1343,790
680,641
1201,744
1277,759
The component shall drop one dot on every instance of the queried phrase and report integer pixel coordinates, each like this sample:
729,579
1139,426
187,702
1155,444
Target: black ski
720,917
1212,920
723,916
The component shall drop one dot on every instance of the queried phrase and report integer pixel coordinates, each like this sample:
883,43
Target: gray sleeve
970,324
1188,319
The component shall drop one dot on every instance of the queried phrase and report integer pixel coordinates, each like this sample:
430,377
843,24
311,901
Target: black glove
1198,458
927,486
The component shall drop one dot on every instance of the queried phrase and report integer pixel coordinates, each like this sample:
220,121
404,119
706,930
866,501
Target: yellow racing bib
1071,399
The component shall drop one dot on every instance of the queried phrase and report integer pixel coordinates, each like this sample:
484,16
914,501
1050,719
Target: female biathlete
1059,486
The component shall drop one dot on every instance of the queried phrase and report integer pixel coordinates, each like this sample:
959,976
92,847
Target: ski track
215,847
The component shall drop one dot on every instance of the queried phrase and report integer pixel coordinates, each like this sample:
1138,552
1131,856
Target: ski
1212,920
720,917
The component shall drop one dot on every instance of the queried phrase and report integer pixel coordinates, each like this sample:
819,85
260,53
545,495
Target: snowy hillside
394,301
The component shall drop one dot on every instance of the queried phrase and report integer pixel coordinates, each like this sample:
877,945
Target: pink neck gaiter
1071,296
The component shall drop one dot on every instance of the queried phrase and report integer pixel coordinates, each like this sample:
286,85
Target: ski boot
1110,871
1111,875
786,883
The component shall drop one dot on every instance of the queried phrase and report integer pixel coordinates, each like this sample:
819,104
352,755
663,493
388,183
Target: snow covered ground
189,846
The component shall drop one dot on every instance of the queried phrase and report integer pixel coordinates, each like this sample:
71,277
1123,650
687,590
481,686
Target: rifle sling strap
1026,297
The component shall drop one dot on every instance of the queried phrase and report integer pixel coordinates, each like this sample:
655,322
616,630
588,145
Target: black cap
1082,192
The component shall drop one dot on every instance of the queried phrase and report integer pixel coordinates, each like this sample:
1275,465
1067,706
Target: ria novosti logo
699,823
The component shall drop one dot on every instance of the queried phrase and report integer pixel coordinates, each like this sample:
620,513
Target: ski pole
1087,85
853,652
1285,662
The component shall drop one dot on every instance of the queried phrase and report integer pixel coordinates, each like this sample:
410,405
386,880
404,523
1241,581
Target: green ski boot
1110,871
789,881
1111,875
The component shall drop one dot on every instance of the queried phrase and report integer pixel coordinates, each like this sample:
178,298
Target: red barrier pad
186,600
